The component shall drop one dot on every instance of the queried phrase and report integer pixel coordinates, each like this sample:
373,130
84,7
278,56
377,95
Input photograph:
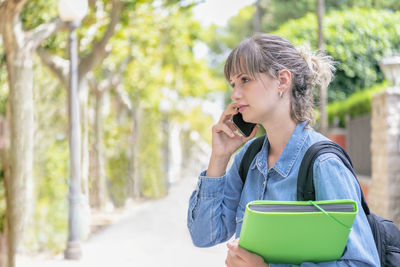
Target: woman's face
257,99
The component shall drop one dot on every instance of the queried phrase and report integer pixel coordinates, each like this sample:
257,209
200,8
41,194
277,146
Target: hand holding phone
244,127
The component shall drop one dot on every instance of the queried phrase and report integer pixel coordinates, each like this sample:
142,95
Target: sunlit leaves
356,44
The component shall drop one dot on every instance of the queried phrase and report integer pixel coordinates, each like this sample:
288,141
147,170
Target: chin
248,119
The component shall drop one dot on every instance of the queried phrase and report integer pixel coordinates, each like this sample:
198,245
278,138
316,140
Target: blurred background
106,108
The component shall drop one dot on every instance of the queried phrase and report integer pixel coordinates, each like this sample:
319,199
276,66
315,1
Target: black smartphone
244,127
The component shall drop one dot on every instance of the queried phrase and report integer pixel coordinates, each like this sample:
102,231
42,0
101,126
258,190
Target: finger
222,127
231,253
231,125
232,106
239,251
230,110
233,260
232,245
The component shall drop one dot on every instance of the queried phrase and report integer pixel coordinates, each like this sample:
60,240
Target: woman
272,85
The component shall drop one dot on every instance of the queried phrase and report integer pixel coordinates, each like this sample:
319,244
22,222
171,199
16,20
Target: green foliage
47,224
150,160
357,104
160,36
276,12
29,14
116,153
118,176
198,121
367,4
48,229
356,44
3,82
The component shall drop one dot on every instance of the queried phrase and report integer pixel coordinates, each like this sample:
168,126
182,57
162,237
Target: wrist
217,165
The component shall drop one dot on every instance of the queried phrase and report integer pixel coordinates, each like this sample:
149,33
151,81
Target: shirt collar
289,155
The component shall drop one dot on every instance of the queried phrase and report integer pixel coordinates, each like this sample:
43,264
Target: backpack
386,233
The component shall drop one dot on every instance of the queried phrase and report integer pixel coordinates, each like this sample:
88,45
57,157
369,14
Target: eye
233,85
245,79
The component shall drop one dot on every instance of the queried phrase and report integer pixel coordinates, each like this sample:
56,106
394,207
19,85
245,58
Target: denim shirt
217,205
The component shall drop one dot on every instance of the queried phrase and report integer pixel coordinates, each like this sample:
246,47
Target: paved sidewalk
151,234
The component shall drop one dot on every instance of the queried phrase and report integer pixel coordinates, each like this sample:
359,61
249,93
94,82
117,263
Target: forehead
238,68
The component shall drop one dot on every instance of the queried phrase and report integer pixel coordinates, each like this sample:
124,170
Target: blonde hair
267,53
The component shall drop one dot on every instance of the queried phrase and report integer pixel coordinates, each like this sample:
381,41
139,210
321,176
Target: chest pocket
250,192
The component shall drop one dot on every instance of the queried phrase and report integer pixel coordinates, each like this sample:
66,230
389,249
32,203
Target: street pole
73,250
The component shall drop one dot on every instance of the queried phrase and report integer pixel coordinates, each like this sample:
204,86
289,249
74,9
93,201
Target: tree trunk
4,150
3,232
3,250
19,47
137,179
89,62
323,88
320,17
257,17
99,178
20,75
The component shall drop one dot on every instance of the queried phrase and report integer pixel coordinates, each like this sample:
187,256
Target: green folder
293,232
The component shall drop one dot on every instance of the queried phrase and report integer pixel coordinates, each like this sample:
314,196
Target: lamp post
72,12
390,67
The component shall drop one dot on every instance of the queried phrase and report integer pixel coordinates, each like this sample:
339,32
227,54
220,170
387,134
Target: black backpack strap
249,155
305,182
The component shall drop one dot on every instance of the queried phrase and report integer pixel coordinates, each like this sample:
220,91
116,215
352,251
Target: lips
241,108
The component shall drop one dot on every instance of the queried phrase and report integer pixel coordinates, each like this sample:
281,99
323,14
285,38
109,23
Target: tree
19,47
99,89
92,58
356,44
323,121
276,14
162,39
257,17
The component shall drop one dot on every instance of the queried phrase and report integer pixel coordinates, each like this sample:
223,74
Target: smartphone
244,127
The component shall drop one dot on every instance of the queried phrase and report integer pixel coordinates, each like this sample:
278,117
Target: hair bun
320,65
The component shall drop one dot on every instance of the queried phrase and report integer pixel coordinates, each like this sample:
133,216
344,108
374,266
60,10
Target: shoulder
325,160
313,137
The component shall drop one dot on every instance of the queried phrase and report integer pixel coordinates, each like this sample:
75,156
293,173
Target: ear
285,80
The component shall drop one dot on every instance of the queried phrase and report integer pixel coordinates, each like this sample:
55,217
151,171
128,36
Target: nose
236,93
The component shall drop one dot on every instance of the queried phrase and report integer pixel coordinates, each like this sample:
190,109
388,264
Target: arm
212,207
333,180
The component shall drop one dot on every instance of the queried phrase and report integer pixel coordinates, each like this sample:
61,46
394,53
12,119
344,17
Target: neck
279,134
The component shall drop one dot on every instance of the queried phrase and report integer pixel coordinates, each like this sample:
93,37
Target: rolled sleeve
213,205
210,186
204,205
